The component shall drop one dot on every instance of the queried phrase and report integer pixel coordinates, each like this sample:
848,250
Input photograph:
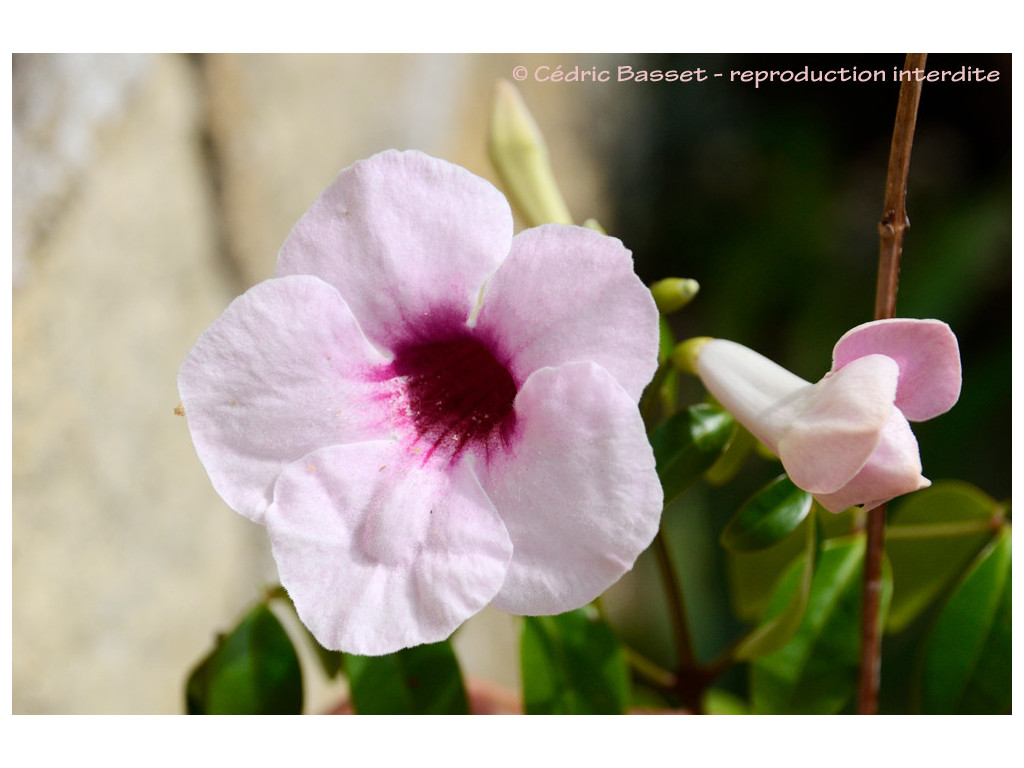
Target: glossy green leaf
252,671
930,539
573,664
423,680
753,576
767,518
732,459
780,625
816,672
688,443
967,657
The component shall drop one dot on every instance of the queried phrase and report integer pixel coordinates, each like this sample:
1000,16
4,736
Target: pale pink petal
275,377
927,354
379,553
408,241
762,395
568,294
840,424
893,469
577,492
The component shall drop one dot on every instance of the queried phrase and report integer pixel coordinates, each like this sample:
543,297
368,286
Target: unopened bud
674,293
518,153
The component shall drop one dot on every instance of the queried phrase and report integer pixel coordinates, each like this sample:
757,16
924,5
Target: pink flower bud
845,439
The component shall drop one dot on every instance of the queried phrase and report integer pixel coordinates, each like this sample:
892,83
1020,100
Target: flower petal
840,424
405,238
926,352
569,294
893,469
378,553
272,379
578,492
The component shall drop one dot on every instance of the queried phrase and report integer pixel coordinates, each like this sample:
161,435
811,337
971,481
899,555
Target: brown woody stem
891,229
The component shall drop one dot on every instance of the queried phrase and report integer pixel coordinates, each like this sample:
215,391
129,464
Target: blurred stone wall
148,192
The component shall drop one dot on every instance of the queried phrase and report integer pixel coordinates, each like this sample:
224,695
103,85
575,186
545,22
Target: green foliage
573,664
332,662
753,575
732,459
767,518
816,672
967,658
688,443
931,538
666,339
780,625
252,671
719,702
422,680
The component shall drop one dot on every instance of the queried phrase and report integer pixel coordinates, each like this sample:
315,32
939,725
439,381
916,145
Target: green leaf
779,626
731,461
688,443
423,680
252,671
753,576
767,518
719,702
930,539
967,657
573,664
331,661
817,671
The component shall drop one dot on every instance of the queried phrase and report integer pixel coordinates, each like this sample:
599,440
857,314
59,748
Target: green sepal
254,670
967,656
688,443
817,671
930,539
573,664
768,517
422,680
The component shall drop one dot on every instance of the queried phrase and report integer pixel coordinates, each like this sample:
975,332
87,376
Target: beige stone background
149,190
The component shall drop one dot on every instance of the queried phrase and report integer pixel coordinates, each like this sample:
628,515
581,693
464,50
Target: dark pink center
459,396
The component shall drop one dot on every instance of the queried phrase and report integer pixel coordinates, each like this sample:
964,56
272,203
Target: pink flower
428,414
845,439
